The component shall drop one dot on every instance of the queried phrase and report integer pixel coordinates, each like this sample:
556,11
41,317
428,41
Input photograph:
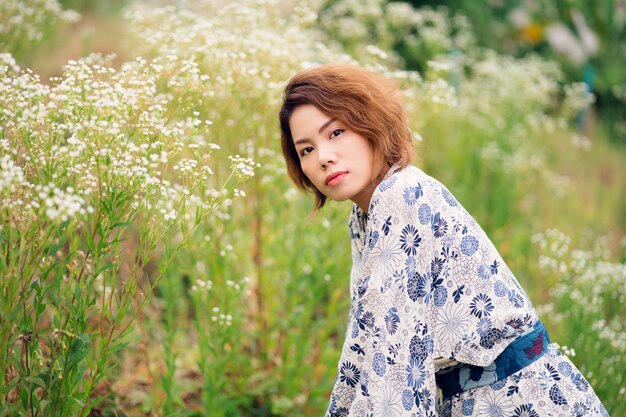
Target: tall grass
589,297
103,180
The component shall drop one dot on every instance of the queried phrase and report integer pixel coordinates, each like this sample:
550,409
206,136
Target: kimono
431,297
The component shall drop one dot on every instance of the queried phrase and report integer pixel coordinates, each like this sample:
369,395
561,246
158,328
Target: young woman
435,312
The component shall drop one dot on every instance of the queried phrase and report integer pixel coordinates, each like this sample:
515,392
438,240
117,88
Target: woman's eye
336,133
306,151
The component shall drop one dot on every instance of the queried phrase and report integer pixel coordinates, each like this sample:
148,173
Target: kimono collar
360,217
395,167
392,170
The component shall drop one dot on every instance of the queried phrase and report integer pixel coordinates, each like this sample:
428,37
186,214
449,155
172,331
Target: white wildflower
11,175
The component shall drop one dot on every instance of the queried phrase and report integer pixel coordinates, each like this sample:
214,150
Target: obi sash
523,351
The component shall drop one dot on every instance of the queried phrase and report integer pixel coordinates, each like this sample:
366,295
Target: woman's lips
335,178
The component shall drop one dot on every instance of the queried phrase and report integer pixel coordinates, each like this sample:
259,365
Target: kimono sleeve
477,307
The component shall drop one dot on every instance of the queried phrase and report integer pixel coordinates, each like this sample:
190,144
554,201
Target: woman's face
338,161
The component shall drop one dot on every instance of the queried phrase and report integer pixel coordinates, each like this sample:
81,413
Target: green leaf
117,347
120,224
198,216
79,401
42,405
44,376
94,402
79,349
35,380
24,398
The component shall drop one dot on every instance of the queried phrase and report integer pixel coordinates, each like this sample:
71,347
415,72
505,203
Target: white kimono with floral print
429,290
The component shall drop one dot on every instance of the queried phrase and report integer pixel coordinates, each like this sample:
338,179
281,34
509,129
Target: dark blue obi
520,353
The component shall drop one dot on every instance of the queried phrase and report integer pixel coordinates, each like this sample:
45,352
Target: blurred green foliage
101,8
519,27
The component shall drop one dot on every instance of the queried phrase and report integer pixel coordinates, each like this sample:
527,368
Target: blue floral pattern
428,291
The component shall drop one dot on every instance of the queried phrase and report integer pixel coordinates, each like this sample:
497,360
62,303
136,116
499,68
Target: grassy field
156,260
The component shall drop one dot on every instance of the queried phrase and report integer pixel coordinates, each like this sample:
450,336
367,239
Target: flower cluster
577,98
553,244
590,294
11,175
223,319
60,205
497,82
422,33
186,165
202,285
26,21
8,65
243,167
108,130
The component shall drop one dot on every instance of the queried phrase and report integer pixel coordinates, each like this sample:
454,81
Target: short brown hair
368,103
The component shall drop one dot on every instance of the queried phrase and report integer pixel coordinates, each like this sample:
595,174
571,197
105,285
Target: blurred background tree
588,39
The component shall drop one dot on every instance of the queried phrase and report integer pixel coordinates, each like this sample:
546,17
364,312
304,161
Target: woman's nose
327,156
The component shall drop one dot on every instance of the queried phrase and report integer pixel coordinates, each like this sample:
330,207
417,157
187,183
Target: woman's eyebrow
325,125
321,129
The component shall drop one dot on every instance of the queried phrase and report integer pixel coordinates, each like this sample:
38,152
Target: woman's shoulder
410,188
406,181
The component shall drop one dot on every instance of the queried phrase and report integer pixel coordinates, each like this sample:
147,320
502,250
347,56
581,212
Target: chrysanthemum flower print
391,320
410,240
412,194
439,225
484,271
418,285
525,410
495,404
386,256
388,403
481,306
416,374
436,266
452,323
379,364
349,374
424,214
